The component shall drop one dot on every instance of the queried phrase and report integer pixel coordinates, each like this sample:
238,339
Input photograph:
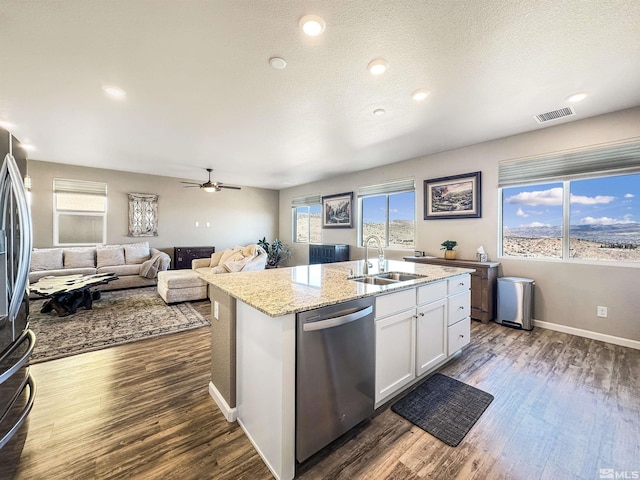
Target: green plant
448,244
276,252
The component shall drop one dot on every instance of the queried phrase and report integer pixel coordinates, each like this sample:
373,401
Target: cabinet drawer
395,302
459,284
459,306
459,335
432,292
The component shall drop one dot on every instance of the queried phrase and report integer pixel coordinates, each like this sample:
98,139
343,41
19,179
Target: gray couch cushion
46,259
120,270
81,257
135,253
109,256
37,275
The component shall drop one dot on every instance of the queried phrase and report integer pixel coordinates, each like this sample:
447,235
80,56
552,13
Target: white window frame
78,187
308,201
390,188
606,160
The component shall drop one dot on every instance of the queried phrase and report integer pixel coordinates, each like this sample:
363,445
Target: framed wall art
143,215
337,211
457,196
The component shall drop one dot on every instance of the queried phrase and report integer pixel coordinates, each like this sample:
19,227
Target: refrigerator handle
10,174
25,411
28,335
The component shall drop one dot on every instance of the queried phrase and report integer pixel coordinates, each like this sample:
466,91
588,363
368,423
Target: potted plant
449,252
276,252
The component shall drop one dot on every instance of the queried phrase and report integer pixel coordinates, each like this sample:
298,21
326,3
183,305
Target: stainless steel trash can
515,302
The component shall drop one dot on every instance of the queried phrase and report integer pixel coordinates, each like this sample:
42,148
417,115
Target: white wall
566,294
236,217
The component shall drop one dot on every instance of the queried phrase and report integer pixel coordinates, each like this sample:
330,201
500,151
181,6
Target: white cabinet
416,330
458,336
395,353
431,335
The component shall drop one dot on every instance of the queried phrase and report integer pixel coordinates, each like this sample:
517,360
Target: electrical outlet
601,311
215,310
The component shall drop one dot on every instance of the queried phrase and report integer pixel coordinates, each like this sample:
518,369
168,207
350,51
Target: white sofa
187,285
237,259
135,264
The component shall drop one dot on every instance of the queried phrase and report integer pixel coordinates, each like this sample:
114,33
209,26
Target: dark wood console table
182,256
483,284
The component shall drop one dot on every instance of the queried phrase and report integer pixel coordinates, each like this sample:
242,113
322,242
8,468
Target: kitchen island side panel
223,344
266,356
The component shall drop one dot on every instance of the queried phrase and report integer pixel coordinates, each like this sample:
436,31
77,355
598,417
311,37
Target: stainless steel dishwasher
335,361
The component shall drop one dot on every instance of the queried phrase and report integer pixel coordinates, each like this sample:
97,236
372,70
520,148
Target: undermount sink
388,278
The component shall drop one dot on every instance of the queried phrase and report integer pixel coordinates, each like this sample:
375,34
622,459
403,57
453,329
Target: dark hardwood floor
565,407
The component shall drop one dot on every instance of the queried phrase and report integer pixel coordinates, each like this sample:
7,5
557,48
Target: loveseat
135,264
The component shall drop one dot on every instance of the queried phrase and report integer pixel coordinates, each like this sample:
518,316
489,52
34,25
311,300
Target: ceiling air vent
555,115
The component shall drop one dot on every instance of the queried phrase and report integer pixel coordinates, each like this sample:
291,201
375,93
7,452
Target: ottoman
181,286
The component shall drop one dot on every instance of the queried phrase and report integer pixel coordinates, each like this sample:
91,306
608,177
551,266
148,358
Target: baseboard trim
624,342
231,414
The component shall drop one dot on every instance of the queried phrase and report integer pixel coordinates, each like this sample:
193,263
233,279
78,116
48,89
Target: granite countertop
282,291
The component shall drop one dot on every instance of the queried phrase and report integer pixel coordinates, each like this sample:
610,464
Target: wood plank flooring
564,408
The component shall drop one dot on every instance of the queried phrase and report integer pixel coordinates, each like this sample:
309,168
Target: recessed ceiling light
378,66
378,112
312,25
420,94
6,125
577,97
114,92
277,62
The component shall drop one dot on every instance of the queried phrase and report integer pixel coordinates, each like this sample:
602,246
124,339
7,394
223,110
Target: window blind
612,159
397,186
82,187
306,201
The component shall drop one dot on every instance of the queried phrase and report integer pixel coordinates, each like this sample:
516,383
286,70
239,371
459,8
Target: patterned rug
119,317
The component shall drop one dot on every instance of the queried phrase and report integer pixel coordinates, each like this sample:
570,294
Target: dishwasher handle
337,321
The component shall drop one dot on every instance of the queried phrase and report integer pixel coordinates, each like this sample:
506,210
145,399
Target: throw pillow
135,253
108,257
79,257
46,259
215,258
232,267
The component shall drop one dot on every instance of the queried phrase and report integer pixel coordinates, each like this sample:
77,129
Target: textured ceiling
201,93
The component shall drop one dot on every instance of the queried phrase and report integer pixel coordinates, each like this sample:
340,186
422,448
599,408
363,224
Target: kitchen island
254,338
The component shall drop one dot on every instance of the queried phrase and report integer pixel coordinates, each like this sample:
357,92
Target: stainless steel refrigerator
17,388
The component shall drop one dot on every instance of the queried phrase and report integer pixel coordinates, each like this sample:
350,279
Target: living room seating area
135,264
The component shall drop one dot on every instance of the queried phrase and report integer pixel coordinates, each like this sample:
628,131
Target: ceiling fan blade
229,187
195,185
191,183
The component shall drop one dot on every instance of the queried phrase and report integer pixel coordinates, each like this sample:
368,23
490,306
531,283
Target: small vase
450,254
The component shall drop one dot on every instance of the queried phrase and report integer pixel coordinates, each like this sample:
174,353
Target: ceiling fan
210,186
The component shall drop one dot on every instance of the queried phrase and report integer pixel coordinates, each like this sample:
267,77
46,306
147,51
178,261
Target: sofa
237,259
135,264
187,285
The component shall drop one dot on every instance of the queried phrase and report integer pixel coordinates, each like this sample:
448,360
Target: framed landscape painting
337,211
457,196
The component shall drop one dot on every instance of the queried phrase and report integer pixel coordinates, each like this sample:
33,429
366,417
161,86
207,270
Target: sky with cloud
598,201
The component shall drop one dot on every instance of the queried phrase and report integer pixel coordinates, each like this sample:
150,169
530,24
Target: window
307,219
79,213
388,211
591,213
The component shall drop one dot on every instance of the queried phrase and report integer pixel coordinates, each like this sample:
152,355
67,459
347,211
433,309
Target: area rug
118,317
444,407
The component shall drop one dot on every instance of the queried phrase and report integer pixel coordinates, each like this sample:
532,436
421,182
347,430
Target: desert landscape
532,247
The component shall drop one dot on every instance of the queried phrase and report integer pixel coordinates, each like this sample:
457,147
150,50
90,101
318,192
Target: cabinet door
459,335
395,353
431,346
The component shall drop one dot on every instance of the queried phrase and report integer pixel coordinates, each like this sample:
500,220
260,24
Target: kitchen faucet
367,263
